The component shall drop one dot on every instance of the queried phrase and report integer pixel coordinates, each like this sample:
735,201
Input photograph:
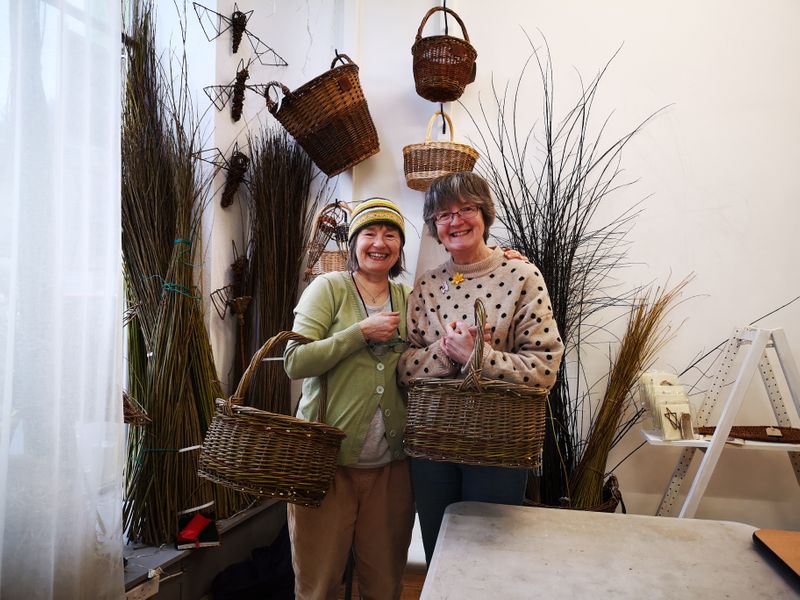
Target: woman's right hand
380,327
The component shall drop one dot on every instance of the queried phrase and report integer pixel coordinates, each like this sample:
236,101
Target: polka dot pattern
525,346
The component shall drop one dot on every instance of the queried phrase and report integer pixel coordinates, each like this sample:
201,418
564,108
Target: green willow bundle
171,369
643,339
281,214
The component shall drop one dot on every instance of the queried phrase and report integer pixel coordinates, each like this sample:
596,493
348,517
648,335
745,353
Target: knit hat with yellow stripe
374,211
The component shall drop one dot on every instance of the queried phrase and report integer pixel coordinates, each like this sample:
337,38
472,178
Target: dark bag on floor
268,575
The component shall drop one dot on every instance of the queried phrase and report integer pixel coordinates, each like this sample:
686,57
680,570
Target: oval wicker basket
443,64
329,117
425,162
476,421
269,454
330,223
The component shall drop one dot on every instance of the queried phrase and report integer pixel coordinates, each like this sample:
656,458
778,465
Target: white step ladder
758,340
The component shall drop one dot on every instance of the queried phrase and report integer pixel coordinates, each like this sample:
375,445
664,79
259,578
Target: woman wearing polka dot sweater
522,340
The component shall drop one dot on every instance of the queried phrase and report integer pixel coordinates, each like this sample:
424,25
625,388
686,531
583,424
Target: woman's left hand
459,341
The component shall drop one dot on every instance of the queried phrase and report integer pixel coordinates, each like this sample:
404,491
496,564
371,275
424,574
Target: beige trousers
370,510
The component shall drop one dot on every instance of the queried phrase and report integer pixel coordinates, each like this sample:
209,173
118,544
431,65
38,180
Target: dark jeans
439,484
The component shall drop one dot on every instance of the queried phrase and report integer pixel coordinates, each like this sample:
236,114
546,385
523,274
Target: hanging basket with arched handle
443,64
476,421
269,454
330,225
425,162
328,116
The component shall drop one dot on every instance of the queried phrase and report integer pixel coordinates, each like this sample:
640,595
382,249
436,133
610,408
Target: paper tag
774,432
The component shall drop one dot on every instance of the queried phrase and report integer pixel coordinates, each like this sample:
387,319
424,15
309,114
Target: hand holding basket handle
473,379
476,421
269,454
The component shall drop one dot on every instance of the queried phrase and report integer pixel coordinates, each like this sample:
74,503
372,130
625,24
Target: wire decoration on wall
234,91
235,168
215,24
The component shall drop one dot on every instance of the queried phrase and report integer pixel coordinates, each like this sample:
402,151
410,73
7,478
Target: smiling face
461,232
377,249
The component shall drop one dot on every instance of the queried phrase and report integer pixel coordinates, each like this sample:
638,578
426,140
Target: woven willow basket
443,64
329,117
476,421
425,162
330,223
268,454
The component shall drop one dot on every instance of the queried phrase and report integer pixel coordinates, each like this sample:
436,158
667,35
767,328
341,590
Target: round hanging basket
425,162
329,117
443,64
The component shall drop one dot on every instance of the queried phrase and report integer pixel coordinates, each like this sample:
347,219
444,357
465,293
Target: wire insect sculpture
215,24
236,297
235,168
234,91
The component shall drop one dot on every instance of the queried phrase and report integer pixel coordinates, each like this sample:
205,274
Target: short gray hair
455,188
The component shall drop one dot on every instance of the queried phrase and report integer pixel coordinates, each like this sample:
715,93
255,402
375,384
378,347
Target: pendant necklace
374,298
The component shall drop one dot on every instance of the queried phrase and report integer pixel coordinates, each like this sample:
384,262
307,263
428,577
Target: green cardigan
329,311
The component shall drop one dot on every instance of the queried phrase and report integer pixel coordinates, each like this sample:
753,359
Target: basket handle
346,60
272,105
447,10
250,371
473,378
433,120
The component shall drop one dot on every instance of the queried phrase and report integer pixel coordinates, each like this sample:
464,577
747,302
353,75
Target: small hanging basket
476,421
425,162
329,117
330,223
269,454
443,64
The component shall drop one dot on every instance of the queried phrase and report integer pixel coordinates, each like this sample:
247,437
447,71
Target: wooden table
495,551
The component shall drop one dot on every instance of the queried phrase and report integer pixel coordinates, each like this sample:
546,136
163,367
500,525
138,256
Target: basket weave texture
329,117
476,421
268,454
330,223
758,433
443,64
425,162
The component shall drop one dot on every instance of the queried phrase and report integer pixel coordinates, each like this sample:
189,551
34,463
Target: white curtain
61,431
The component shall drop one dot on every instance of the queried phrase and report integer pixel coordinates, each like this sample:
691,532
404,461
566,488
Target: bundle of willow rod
171,370
643,339
281,214
549,182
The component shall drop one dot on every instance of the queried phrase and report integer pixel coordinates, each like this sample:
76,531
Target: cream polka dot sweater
525,347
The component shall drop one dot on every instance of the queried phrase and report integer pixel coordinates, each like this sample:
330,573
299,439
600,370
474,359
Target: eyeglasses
467,213
398,346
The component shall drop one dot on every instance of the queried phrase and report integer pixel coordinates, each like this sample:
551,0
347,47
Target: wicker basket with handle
329,117
330,223
269,454
443,64
425,162
476,421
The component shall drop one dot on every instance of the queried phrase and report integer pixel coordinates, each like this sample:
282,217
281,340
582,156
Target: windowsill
143,559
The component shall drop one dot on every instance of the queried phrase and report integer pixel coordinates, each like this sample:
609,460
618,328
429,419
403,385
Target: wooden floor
412,586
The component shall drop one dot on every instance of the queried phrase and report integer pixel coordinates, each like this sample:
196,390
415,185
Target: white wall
714,169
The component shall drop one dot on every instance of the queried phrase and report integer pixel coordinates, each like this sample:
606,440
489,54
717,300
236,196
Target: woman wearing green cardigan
357,319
